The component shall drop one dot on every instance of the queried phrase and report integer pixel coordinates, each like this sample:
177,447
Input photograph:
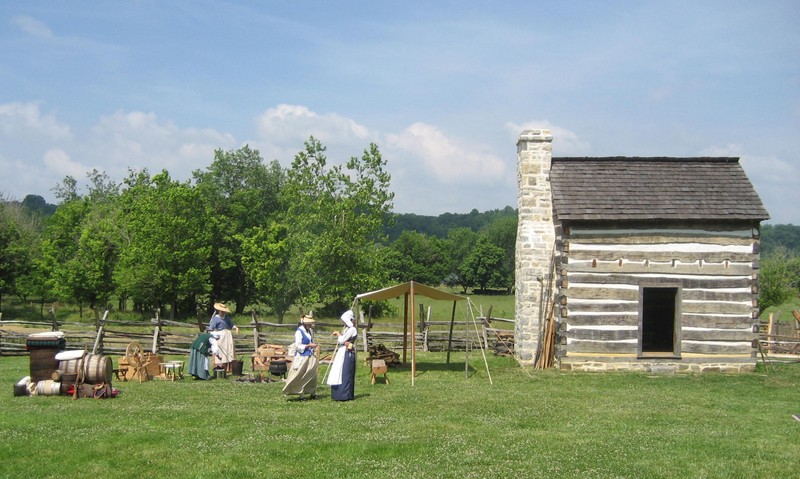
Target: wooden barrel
48,387
97,369
57,375
69,366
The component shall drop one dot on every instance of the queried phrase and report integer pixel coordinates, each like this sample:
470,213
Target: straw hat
308,318
221,307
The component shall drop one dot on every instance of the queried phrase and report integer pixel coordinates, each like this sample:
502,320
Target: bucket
236,367
219,373
48,387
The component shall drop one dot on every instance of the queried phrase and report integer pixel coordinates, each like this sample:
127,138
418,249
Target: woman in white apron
342,376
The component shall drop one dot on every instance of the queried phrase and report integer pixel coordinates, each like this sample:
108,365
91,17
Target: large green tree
335,216
58,263
242,196
166,243
459,244
779,278
266,256
485,266
418,257
79,249
18,235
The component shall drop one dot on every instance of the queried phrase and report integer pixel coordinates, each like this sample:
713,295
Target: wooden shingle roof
622,188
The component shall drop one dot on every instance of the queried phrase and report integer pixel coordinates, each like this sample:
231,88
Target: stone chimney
535,239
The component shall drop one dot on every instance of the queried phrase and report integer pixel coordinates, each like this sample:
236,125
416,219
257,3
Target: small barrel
57,375
70,366
48,387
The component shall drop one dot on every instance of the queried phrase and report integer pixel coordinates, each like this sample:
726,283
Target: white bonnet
347,317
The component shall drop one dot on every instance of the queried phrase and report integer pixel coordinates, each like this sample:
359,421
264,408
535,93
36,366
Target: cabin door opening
658,321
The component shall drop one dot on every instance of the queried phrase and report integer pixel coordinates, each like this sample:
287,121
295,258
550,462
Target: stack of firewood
390,357
504,345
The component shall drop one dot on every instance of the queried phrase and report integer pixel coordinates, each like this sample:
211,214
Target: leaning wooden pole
99,338
413,337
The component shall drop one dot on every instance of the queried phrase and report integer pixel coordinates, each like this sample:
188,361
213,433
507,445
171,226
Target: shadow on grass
423,367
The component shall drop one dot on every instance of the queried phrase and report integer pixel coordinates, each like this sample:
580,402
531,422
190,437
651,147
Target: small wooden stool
379,367
172,370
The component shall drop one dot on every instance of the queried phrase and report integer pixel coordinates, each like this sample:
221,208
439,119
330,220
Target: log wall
600,274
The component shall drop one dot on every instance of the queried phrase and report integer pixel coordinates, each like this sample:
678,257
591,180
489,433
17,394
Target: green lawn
527,424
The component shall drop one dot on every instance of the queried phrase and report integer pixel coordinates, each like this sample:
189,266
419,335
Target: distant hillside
775,236
35,205
440,225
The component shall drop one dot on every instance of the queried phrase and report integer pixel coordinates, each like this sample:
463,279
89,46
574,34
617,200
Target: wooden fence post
53,317
423,326
365,329
256,331
156,331
485,322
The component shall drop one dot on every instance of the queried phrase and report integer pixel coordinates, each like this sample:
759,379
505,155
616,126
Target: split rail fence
165,337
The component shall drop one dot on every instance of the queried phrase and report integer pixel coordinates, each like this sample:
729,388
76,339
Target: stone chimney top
542,134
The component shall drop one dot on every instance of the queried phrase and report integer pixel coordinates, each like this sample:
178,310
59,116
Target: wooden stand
379,367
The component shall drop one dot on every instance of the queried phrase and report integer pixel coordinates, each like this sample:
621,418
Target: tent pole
405,326
450,337
467,343
413,338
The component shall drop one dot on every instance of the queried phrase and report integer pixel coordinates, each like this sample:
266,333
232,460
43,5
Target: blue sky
444,88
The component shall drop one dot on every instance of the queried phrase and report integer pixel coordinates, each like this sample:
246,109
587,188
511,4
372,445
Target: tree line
242,231
779,275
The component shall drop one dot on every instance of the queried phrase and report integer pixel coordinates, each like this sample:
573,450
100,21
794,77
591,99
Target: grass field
527,424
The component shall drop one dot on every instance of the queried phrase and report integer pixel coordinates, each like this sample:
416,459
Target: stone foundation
672,367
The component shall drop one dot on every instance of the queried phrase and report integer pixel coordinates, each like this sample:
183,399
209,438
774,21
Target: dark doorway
659,308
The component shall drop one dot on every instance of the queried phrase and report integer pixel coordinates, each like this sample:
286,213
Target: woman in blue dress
342,376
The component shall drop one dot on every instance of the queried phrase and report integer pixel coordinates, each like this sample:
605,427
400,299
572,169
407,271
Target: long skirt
198,364
346,390
302,376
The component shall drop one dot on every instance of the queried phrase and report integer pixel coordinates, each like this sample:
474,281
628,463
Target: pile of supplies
55,371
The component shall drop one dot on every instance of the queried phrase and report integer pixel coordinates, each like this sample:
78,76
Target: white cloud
293,124
41,150
32,26
60,164
139,139
449,160
22,119
282,130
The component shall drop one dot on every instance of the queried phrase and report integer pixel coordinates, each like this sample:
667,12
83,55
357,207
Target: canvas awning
401,289
409,290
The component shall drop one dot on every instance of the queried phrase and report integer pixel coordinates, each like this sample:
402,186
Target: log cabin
647,264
